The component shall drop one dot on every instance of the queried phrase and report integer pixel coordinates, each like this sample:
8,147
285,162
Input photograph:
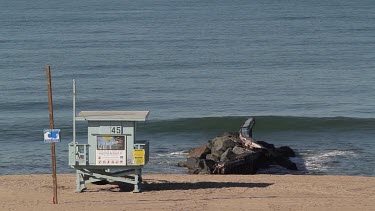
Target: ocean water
304,69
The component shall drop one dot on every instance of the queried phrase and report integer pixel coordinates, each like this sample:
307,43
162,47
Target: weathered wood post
51,125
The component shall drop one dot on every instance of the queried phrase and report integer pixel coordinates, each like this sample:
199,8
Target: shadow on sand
200,185
163,185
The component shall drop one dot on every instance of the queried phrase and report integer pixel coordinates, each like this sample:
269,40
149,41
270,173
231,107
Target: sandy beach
194,192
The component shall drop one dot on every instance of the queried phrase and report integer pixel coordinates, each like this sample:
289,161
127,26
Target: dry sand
194,192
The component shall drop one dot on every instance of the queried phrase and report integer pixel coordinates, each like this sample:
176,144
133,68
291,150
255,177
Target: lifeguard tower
112,151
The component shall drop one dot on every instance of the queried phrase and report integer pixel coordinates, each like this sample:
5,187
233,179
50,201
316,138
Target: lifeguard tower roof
113,116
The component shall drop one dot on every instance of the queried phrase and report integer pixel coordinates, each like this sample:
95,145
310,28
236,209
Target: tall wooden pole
52,125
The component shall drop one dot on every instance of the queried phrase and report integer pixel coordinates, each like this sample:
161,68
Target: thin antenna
74,113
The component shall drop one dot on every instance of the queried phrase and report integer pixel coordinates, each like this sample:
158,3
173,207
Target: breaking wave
263,123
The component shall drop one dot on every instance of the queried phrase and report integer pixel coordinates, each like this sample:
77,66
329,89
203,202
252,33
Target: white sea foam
321,160
179,153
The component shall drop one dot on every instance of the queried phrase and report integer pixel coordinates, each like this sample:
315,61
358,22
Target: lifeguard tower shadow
201,185
163,185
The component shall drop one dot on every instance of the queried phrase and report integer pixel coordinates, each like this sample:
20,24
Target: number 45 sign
116,130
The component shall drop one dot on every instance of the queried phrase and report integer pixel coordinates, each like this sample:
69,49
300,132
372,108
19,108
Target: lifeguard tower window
110,142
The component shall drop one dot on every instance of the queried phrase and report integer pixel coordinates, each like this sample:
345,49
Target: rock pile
227,154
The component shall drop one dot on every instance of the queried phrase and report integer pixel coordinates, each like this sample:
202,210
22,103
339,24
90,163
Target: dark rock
210,144
204,171
210,164
199,152
192,163
263,161
206,166
194,171
238,150
227,155
221,144
212,157
285,151
245,163
285,162
265,144
217,154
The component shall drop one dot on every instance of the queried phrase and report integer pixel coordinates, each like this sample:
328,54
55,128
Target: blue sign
51,135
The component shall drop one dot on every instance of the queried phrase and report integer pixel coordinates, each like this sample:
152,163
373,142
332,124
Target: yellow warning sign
139,156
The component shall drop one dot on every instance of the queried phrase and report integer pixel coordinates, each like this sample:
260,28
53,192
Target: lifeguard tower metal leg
84,176
112,151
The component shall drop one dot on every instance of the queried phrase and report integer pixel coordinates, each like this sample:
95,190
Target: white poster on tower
111,151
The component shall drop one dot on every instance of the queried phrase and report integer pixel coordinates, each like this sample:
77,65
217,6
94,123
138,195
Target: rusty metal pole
52,125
